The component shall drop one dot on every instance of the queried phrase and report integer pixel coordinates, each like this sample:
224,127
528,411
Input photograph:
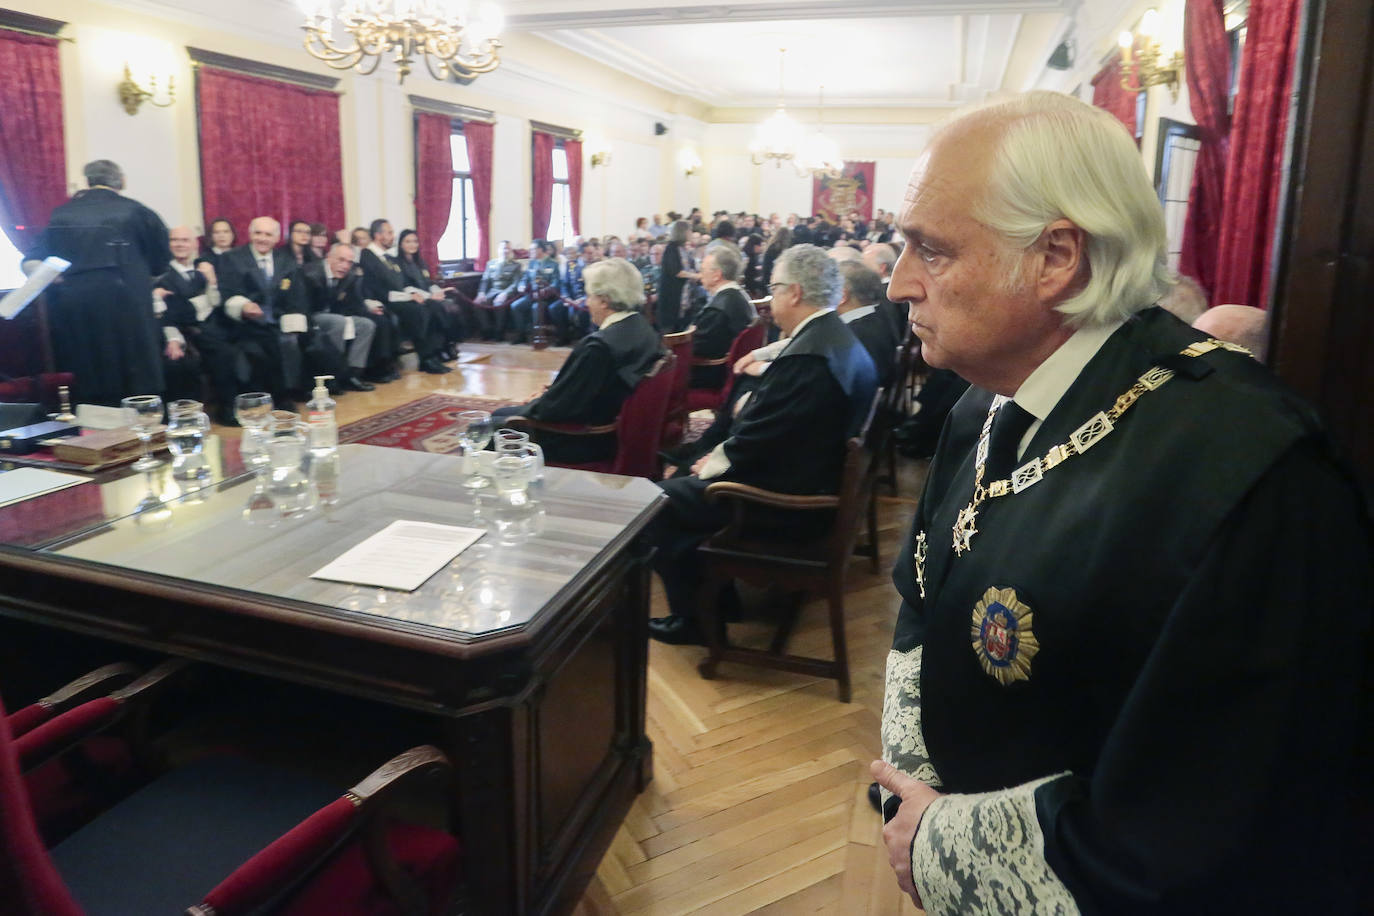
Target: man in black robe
726,313
602,369
187,295
99,313
331,290
1131,671
789,436
859,308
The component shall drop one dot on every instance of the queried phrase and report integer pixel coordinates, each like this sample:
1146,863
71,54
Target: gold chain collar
1085,437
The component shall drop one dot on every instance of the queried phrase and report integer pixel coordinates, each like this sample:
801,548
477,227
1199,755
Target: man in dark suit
860,309
332,294
103,329
880,258
186,296
261,312
384,283
789,436
725,314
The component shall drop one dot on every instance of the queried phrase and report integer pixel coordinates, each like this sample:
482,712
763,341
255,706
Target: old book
102,446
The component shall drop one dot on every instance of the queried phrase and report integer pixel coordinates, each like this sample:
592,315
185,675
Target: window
1175,160
560,213
11,277
461,239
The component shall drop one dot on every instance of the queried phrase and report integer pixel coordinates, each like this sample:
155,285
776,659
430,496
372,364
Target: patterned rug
428,424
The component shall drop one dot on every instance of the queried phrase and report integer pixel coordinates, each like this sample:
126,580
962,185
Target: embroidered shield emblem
1003,638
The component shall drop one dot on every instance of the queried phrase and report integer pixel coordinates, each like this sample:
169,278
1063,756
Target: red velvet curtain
1109,94
574,150
33,157
268,149
542,200
1207,51
478,137
433,182
1255,164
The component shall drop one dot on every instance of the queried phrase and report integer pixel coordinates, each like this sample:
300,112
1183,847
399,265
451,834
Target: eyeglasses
773,287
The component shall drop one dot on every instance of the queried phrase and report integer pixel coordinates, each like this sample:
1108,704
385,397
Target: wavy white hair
618,280
1060,158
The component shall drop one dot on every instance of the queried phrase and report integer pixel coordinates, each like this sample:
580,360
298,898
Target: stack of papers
26,483
401,556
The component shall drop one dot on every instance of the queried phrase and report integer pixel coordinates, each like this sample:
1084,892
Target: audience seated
790,436
420,284
725,314
487,315
602,369
1238,324
859,308
319,240
569,316
384,282
298,239
187,294
222,239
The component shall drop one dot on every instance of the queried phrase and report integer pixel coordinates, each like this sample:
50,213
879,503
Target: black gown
100,314
668,308
1146,686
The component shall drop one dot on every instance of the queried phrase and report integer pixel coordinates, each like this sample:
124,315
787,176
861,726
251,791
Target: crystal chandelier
452,41
819,155
777,138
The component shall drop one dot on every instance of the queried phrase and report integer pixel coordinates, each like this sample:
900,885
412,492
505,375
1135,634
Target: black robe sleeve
586,373
1262,671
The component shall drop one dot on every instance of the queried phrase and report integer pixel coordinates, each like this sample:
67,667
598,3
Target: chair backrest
29,882
751,338
680,345
860,465
639,427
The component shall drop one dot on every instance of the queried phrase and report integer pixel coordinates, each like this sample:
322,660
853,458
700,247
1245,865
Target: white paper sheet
49,270
401,556
26,483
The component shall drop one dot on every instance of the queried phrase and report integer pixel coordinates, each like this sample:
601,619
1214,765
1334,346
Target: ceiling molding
204,58
616,54
543,19
452,109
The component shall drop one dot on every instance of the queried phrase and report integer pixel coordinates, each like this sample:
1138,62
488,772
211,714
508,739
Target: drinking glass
289,486
475,430
506,436
143,412
187,426
253,410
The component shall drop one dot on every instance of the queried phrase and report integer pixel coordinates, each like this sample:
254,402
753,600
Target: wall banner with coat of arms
834,198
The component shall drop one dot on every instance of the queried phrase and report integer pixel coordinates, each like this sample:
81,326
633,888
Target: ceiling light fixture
777,138
819,155
1158,39
451,42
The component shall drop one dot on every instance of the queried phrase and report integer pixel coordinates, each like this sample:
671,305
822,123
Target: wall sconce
132,95
601,157
690,162
1141,67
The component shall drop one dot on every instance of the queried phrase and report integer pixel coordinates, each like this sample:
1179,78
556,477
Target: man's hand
174,350
159,293
756,368
208,270
418,297
500,299
480,300
376,308
744,362
699,464
899,832
252,310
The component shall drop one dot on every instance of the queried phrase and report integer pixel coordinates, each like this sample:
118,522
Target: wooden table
529,651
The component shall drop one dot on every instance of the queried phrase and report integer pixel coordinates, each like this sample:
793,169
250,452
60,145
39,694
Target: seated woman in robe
420,282
602,369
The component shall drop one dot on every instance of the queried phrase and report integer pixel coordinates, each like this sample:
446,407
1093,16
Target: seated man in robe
727,312
542,281
860,309
332,294
789,436
384,282
186,296
602,369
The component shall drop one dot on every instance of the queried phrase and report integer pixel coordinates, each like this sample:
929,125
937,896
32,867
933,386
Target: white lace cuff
904,744
985,853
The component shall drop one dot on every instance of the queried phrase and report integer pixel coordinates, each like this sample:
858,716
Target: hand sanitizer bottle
324,429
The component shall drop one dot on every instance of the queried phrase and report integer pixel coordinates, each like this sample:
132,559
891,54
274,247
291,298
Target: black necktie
1008,426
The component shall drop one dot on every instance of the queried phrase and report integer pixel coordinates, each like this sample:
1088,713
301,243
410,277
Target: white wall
615,195
510,181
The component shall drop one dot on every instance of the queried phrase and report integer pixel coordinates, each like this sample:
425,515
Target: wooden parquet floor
759,799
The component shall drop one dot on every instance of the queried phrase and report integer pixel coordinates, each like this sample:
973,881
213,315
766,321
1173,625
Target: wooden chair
221,836
675,427
896,406
751,338
818,566
638,427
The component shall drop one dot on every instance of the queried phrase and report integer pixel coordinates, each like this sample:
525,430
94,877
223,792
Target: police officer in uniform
487,314
1131,669
569,315
540,283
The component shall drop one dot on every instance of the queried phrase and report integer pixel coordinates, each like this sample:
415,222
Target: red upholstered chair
284,844
751,338
36,389
675,427
638,427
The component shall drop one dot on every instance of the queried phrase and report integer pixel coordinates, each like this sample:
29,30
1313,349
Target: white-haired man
789,436
1131,668
255,284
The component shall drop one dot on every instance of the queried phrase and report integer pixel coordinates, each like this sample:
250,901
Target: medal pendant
965,527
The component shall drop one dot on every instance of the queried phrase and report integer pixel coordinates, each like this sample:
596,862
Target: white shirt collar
613,317
184,269
730,284
1044,387
856,314
378,250
803,323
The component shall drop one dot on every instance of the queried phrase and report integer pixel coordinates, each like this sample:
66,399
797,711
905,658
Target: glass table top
228,534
